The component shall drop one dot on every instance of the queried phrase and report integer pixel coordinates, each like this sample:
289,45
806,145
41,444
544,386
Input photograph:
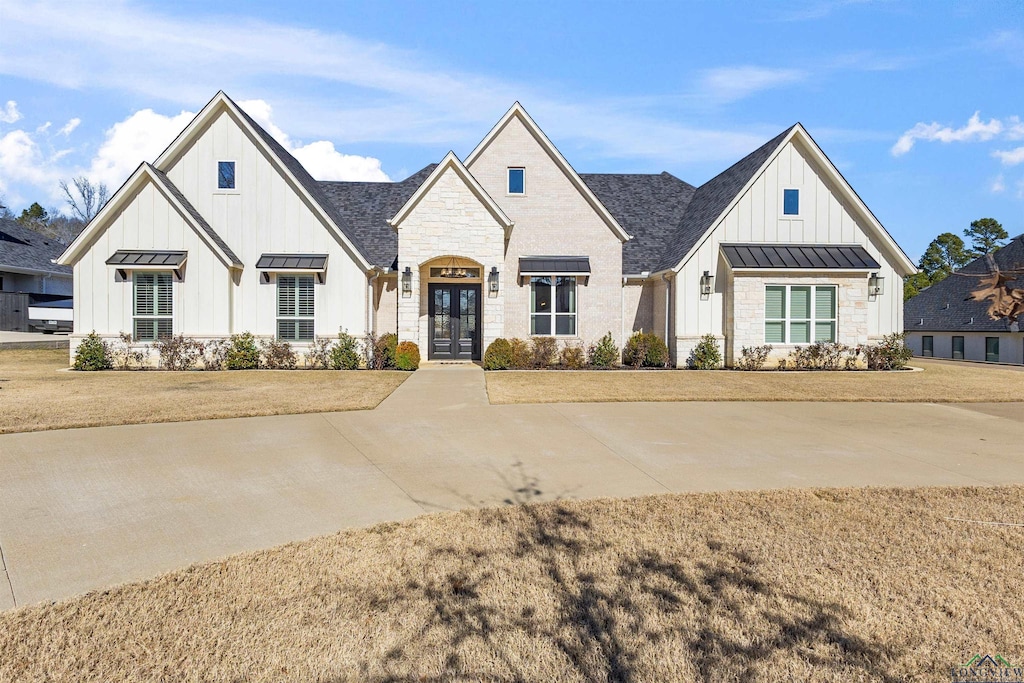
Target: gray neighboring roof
807,256
367,207
946,305
649,207
23,249
127,258
292,262
196,216
554,265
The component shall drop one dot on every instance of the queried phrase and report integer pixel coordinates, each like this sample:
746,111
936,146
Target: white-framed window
553,306
516,180
153,306
225,175
295,307
790,202
799,314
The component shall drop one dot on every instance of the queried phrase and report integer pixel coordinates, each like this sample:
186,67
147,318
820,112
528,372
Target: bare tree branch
87,200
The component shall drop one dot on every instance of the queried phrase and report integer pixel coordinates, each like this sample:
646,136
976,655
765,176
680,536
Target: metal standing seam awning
798,257
135,259
554,265
299,263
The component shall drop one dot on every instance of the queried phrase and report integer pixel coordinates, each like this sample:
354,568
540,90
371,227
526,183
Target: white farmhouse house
226,232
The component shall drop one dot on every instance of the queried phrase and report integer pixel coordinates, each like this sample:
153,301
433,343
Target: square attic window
225,175
517,181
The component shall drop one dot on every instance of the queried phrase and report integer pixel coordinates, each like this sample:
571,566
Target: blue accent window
791,202
225,175
517,181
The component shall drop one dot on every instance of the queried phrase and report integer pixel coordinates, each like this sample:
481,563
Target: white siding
1011,345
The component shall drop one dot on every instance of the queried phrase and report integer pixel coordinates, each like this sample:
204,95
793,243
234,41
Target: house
226,232
29,278
943,321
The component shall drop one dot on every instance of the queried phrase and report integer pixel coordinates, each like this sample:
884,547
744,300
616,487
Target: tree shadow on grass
611,613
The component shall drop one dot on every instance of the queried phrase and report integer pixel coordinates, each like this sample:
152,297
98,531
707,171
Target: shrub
706,355
124,355
318,355
277,355
753,357
819,356
645,350
215,354
573,356
522,354
93,354
889,354
498,355
344,353
544,351
603,354
407,356
179,352
380,351
242,352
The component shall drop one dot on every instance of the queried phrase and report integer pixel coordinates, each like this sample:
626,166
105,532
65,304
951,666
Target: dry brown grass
823,585
940,382
35,395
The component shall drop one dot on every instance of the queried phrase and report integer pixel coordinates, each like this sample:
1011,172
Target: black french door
454,322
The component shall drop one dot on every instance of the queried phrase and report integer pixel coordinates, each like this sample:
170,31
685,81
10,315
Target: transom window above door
517,181
553,305
799,314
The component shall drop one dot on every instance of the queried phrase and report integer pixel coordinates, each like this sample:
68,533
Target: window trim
788,320
217,189
930,351
297,316
554,313
508,181
783,203
156,317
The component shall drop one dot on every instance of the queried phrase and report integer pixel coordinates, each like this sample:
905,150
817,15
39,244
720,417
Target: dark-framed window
958,348
928,345
295,306
225,175
992,349
153,305
517,181
791,202
553,305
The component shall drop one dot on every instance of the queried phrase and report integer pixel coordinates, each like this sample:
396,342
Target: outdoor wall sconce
407,282
876,285
707,281
492,281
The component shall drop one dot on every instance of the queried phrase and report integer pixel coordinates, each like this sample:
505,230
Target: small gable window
517,181
225,175
791,202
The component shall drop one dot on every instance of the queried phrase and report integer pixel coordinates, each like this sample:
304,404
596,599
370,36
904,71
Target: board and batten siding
267,214
824,218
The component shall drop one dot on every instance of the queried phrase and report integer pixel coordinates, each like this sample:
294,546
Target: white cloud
24,159
974,130
140,137
10,113
70,126
1014,128
1010,157
998,185
728,84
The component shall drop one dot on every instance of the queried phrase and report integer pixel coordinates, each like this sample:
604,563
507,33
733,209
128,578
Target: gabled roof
649,206
289,166
23,250
147,173
945,306
451,162
366,208
518,112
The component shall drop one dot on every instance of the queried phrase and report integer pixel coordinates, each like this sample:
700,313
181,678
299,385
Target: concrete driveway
87,508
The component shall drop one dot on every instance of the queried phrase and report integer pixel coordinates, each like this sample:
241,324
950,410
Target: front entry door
454,322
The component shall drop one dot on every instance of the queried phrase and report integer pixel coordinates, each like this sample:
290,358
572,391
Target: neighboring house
28,275
226,232
944,322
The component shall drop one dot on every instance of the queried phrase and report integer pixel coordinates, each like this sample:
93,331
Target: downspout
369,300
668,309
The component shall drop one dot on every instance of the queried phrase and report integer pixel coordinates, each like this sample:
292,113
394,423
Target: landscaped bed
940,382
36,395
823,585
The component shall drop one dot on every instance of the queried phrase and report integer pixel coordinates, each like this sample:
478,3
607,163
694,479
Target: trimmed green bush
93,354
498,355
603,354
243,353
407,356
706,355
344,353
645,350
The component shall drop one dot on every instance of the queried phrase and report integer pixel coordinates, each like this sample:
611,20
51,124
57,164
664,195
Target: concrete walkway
86,508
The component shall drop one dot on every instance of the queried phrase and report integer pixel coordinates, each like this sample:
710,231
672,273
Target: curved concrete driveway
86,508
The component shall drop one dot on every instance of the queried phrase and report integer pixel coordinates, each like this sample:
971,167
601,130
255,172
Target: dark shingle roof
26,250
945,306
815,256
648,207
366,208
196,216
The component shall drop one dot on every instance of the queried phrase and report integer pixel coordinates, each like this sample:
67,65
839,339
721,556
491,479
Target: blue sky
916,103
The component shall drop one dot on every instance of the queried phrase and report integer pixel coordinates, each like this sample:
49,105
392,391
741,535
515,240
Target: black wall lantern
407,282
492,281
707,281
876,285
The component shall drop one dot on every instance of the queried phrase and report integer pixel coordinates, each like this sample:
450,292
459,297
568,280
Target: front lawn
940,382
34,395
813,585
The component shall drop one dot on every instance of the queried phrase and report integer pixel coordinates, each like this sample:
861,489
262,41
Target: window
295,307
958,348
225,175
791,202
154,307
928,346
992,349
553,297
517,181
799,314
